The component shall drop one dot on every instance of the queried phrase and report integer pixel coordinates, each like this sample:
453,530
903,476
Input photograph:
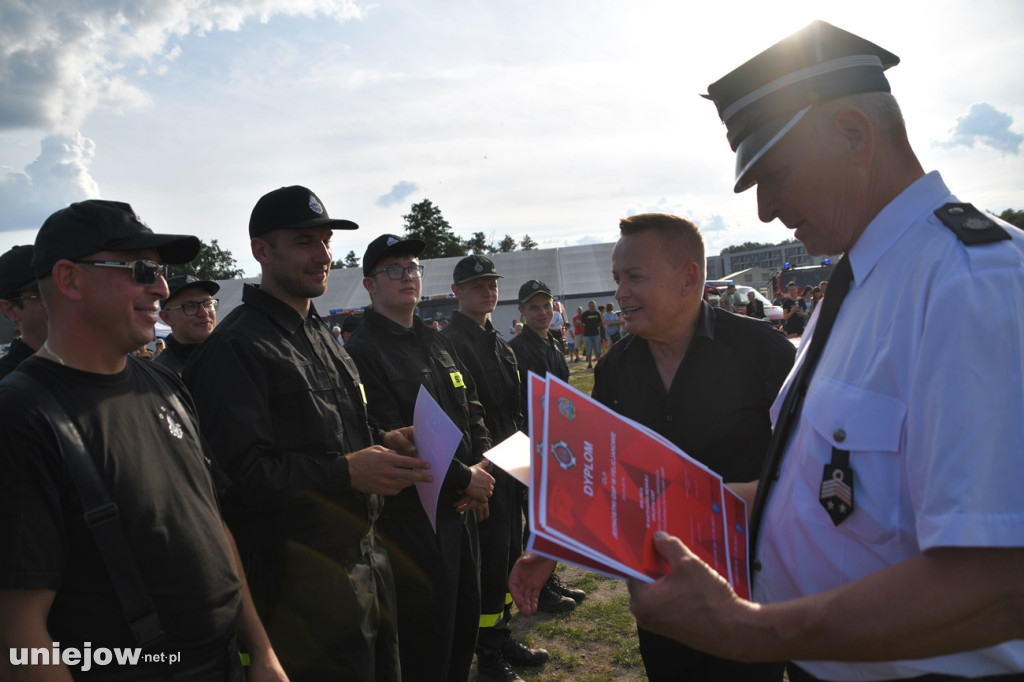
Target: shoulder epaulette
970,225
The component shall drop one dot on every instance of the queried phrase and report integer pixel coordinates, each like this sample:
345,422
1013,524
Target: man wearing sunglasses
66,576
191,312
20,303
438,584
284,411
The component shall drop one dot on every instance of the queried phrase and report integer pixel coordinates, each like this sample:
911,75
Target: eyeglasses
190,308
18,299
143,271
399,271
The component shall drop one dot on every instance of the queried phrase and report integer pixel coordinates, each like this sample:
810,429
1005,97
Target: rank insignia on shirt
457,380
970,225
836,494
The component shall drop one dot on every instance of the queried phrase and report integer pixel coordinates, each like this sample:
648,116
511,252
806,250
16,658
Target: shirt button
756,565
839,435
776,474
668,417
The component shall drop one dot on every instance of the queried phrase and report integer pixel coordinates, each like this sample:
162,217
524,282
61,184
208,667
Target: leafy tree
507,244
527,244
351,260
1014,217
212,262
477,244
425,222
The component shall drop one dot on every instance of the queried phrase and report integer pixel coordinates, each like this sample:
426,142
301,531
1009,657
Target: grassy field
597,641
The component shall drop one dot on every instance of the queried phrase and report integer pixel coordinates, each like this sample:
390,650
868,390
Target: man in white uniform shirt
889,522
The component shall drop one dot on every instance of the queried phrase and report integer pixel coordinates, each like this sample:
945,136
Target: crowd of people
242,504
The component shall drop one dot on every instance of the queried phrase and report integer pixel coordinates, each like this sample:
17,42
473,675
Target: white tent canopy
575,274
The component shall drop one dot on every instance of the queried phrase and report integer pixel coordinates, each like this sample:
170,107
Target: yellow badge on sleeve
457,380
362,391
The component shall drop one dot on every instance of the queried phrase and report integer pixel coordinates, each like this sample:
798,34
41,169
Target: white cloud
59,176
398,193
986,125
60,61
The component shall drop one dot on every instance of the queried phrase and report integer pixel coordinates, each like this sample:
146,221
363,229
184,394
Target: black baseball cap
292,208
390,245
762,100
473,267
179,283
95,225
16,273
532,288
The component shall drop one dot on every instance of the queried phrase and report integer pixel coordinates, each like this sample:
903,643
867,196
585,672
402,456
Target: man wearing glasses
20,303
101,272
437,578
284,411
191,312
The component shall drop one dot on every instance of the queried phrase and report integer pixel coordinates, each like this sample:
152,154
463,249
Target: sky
553,119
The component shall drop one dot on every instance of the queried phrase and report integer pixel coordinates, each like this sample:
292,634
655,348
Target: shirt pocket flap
853,418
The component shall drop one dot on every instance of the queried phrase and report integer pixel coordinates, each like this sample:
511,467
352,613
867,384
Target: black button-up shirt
493,365
716,409
280,404
175,354
394,362
539,356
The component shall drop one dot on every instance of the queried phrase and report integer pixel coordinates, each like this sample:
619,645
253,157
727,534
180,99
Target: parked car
772,312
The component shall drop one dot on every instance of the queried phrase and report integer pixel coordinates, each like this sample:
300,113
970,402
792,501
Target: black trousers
437,579
501,535
666,660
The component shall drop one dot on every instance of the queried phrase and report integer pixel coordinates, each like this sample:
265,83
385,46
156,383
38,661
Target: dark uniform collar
385,323
282,314
463,321
705,322
533,337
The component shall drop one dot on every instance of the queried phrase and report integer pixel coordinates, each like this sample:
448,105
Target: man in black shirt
100,273
284,413
701,377
536,349
437,577
492,365
191,312
539,352
20,303
593,327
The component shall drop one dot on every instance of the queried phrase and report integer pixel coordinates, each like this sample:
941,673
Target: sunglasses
143,271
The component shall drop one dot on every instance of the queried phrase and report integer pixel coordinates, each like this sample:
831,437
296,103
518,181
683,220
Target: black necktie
838,287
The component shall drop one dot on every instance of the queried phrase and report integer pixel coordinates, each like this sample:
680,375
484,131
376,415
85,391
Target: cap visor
755,145
174,249
333,223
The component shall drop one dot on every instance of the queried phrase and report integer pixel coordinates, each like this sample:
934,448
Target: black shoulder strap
101,515
970,225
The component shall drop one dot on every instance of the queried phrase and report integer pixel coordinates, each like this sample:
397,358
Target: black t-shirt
16,353
795,324
591,323
717,407
159,478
